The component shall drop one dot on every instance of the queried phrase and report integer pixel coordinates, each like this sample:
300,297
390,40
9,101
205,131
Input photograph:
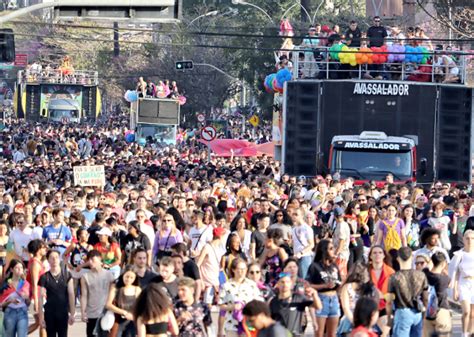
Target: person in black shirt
133,240
353,35
259,236
376,33
57,286
257,314
323,276
288,307
190,268
145,275
442,323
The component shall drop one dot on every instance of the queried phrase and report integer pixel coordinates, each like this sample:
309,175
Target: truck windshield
56,113
367,164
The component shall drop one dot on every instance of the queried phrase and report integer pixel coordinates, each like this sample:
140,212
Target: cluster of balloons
378,55
274,82
354,56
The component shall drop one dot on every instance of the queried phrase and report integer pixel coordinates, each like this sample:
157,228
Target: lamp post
211,13
297,4
242,2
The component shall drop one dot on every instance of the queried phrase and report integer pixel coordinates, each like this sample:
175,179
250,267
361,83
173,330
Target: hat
218,231
338,211
325,29
104,231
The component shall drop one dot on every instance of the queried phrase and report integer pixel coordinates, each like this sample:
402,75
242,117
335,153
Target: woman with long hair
273,256
390,232
461,271
110,251
233,251
240,226
121,299
356,246
36,268
350,293
412,227
380,272
153,313
323,275
441,222
166,237
15,299
3,245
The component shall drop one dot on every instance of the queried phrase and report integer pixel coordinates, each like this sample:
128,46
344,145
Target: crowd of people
312,55
164,89
174,244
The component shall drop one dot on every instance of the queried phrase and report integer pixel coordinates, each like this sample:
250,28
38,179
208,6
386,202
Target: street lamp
242,2
211,13
296,4
316,12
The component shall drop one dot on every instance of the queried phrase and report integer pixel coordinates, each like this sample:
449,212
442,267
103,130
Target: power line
215,34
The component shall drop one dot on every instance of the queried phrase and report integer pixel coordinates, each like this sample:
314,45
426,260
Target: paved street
79,328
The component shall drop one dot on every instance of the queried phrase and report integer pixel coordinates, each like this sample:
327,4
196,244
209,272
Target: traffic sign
208,133
21,60
201,118
254,120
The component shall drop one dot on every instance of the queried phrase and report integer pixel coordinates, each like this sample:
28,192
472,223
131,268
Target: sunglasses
167,220
420,263
254,272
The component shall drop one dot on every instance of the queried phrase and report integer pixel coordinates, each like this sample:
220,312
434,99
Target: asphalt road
79,328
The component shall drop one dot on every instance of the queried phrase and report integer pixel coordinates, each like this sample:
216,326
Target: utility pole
116,40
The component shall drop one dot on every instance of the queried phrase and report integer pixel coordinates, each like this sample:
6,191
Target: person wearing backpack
391,231
438,316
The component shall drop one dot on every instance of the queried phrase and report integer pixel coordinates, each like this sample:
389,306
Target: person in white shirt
200,233
341,240
20,237
303,242
142,205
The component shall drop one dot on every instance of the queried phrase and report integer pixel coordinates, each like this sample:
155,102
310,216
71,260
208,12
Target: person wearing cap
288,307
408,294
110,251
310,42
208,263
341,239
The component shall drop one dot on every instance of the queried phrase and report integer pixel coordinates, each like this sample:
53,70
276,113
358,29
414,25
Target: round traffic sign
208,133
201,118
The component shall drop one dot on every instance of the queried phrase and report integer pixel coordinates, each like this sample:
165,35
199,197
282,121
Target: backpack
432,307
392,239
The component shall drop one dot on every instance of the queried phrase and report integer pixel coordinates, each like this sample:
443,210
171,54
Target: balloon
334,51
130,138
282,76
131,96
391,58
276,87
353,63
182,100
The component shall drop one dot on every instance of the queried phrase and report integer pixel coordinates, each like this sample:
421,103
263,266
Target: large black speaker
301,128
89,102
346,112
33,102
455,131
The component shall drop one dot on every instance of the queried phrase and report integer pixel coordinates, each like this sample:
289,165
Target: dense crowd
172,238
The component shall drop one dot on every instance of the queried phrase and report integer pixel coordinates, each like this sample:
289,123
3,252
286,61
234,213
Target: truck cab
373,155
64,110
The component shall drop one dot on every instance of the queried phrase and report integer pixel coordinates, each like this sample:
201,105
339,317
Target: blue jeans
303,266
407,323
15,322
331,307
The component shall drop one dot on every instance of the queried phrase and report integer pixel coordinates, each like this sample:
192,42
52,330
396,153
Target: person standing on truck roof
376,35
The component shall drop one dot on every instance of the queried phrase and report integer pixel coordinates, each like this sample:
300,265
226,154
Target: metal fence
316,63
57,76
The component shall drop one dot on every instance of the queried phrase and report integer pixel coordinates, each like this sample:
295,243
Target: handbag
107,320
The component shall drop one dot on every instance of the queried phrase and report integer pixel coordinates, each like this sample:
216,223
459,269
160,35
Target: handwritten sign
89,175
